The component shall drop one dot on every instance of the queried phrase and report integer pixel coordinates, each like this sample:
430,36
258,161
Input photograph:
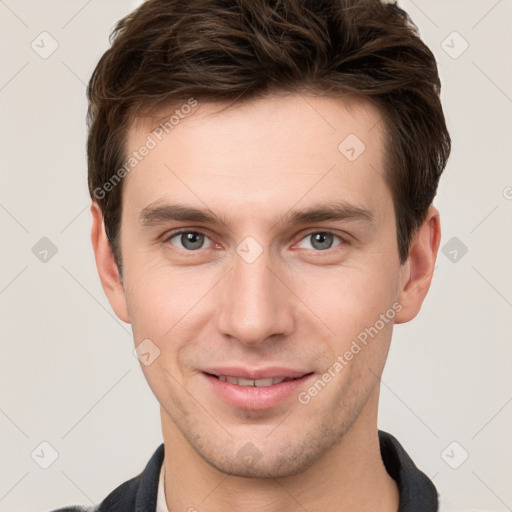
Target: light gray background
67,372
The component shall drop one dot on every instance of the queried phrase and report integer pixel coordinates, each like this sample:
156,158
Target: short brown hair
168,51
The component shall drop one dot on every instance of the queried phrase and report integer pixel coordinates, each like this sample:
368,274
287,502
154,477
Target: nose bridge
254,305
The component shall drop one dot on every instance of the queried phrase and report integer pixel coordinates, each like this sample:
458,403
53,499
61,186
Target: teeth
279,380
259,383
244,382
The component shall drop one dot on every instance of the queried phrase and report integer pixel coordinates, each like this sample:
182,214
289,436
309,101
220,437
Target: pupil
191,240
322,238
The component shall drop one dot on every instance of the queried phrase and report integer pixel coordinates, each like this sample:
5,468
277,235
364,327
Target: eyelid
180,231
343,239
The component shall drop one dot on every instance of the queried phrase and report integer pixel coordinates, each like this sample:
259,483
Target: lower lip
256,398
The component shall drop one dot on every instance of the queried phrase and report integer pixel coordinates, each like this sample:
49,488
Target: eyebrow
156,214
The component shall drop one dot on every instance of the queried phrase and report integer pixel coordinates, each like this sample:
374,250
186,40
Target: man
262,175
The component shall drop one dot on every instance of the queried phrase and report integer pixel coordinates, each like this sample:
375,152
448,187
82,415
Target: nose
255,302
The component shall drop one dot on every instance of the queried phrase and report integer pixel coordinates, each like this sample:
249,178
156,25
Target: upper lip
273,372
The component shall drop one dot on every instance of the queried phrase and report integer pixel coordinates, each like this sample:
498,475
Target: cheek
172,307
161,305
348,299
159,299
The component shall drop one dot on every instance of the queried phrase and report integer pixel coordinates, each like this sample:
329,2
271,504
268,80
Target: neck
350,476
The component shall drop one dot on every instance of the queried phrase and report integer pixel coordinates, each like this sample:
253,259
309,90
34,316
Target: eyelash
199,232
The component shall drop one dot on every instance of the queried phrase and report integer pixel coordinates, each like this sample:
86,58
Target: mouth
259,383
251,391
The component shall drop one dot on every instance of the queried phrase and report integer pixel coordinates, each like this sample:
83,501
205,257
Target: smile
265,392
259,383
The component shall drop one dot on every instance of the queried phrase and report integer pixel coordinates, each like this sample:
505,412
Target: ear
417,271
106,265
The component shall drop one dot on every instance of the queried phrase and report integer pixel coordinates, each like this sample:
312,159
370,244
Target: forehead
277,149
283,113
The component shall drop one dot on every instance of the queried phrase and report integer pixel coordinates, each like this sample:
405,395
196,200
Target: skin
295,306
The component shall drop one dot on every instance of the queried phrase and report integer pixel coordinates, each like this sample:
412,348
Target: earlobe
106,265
418,270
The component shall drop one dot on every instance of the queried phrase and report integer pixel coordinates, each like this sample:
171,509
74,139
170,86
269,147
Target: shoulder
77,508
122,498
138,493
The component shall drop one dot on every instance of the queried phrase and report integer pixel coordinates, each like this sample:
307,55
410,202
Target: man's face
263,292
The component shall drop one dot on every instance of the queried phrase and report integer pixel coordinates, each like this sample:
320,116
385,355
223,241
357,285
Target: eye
189,240
320,240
